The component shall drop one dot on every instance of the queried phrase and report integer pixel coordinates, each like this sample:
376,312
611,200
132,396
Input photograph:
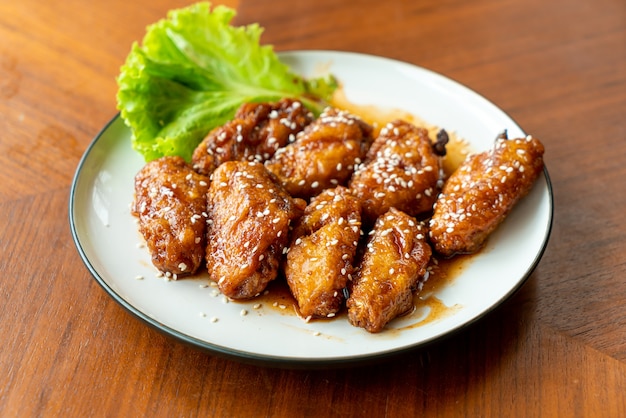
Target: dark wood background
558,347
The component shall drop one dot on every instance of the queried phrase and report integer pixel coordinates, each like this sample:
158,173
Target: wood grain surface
556,348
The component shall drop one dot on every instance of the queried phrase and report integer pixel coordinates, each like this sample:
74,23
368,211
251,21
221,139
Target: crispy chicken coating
255,133
324,154
401,170
170,203
321,253
395,260
247,227
481,192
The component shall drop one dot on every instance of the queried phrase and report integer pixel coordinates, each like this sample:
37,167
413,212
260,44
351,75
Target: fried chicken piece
401,170
481,192
170,203
247,227
395,260
322,250
324,154
255,133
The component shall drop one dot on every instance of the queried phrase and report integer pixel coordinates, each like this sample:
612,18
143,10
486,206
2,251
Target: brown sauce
427,306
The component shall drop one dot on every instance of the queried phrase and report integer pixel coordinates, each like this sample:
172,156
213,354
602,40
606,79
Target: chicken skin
255,133
247,227
321,253
324,154
170,204
481,192
401,170
395,260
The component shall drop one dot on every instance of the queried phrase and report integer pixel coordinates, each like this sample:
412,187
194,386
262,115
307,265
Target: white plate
106,234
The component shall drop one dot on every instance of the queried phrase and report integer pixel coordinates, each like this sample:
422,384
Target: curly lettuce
191,73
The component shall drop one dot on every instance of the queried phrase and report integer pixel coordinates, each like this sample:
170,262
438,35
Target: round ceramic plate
194,312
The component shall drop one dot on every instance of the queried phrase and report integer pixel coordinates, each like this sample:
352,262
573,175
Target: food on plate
394,262
482,191
324,154
235,148
248,221
252,226
193,70
401,170
254,134
323,245
170,204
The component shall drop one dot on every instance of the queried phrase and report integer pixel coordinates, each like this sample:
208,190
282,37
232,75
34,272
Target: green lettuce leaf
191,73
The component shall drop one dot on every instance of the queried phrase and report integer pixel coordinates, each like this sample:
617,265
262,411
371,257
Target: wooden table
558,347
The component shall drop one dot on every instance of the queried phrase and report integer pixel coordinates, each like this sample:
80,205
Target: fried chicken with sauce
324,154
394,261
249,215
400,170
321,253
170,204
254,134
481,192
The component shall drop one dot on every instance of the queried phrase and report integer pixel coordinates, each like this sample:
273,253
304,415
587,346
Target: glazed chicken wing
481,192
255,133
170,203
321,253
395,260
247,227
324,154
401,170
